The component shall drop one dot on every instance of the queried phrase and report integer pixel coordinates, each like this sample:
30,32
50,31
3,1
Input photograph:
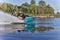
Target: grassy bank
57,15
42,15
45,15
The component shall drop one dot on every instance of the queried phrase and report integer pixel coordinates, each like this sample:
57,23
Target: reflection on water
39,22
42,29
7,19
11,27
46,35
47,22
9,32
43,21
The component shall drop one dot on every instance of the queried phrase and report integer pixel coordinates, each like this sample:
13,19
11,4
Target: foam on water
7,18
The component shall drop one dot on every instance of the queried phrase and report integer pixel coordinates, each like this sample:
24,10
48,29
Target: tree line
32,8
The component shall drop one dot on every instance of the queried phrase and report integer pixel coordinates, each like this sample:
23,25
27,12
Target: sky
54,3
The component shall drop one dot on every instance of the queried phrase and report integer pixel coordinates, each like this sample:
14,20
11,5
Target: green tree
49,10
9,8
6,7
25,7
32,7
42,6
16,8
32,1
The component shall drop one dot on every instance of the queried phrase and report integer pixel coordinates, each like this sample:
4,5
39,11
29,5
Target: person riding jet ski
22,15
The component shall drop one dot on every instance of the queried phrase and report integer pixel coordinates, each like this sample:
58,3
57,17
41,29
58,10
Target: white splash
6,18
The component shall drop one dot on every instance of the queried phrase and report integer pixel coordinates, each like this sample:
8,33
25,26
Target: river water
10,34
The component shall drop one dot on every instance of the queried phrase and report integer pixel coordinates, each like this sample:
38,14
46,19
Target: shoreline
46,16
41,16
